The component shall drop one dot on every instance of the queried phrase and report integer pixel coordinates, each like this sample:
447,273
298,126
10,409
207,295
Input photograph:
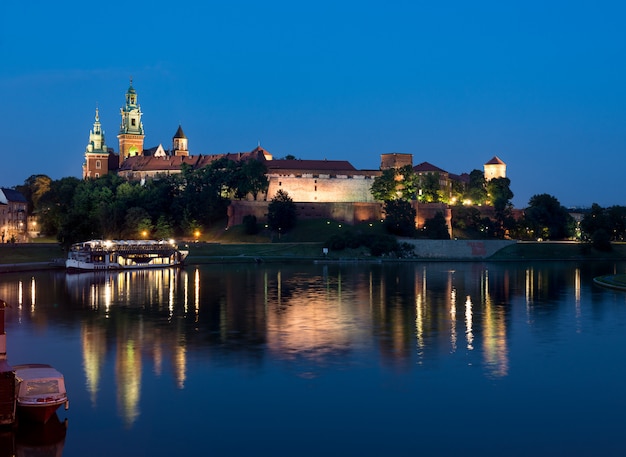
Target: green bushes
378,245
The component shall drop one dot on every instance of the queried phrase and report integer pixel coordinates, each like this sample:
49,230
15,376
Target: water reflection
309,316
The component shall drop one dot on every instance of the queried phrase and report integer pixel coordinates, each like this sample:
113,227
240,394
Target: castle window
132,122
98,164
315,188
280,183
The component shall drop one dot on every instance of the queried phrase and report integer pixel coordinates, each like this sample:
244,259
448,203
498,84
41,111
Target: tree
55,204
35,187
548,219
136,221
436,227
250,224
431,188
409,183
281,212
500,195
602,224
251,178
384,187
468,220
477,188
400,217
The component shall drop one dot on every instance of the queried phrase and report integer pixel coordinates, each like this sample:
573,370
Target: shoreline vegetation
305,243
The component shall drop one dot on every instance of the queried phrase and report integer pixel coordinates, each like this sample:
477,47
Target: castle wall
429,210
457,249
323,188
347,212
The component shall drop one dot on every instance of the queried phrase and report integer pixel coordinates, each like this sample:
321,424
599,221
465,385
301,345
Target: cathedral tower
97,154
131,130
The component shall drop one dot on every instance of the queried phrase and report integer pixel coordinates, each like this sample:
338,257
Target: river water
488,359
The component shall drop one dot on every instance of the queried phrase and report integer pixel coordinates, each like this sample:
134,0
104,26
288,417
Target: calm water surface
339,359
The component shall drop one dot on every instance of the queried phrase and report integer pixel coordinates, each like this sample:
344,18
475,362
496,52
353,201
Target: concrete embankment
457,249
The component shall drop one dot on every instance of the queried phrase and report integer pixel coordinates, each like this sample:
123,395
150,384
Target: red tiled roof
151,163
463,177
310,165
428,167
495,161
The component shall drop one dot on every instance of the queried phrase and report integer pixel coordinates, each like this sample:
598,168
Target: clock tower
131,130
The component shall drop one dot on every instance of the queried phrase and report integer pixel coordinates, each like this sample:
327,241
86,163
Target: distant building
495,168
395,160
13,211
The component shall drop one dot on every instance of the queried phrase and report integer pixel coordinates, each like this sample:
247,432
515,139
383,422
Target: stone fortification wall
457,249
348,212
323,188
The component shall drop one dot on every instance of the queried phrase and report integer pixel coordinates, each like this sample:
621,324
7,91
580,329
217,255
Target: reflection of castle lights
419,321
32,294
469,335
170,297
180,362
494,340
530,286
577,290
453,336
20,294
108,295
196,288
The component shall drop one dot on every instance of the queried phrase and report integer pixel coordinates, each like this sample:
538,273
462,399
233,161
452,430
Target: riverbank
34,256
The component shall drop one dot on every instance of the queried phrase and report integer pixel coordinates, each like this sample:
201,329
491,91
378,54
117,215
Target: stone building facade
13,216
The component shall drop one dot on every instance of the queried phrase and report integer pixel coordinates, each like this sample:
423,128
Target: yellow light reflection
453,335
196,287
469,333
32,294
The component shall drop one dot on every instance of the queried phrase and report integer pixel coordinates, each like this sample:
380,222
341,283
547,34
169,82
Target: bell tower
96,154
131,130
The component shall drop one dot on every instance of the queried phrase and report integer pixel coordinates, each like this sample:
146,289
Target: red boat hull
37,413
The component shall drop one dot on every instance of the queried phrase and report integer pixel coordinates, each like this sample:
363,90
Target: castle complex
321,188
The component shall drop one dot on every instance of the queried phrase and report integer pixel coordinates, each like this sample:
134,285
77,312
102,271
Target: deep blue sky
540,84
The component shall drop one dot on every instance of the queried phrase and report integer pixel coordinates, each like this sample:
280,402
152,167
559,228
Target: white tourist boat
124,254
40,392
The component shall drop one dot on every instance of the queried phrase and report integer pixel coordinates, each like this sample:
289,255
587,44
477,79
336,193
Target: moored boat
124,254
41,390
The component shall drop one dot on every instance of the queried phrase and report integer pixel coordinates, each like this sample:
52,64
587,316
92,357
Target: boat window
42,387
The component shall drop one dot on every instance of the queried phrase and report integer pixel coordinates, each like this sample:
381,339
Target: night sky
542,85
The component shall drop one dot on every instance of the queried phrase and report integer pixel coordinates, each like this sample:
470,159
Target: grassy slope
33,252
557,251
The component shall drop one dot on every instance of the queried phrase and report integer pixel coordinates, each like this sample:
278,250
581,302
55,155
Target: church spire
131,134
97,153
96,137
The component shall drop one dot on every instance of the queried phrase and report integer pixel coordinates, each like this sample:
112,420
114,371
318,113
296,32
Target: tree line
483,209
184,204
111,207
